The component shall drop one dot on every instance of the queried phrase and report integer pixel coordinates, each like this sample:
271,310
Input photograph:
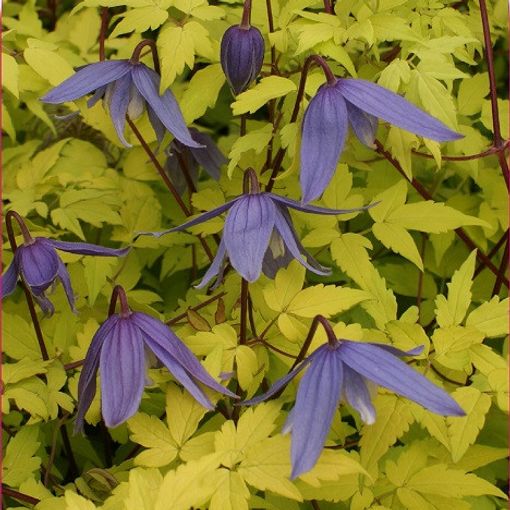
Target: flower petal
392,108
166,108
313,209
216,268
385,369
316,401
45,304
118,106
195,221
10,278
63,276
38,265
210,158
85,248
363,124
357,395
246,233
122,370
158,334
323,137
156,124
87,381
86,80
291,241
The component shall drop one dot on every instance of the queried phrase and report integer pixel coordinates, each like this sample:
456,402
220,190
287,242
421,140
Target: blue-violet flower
341,369
119,350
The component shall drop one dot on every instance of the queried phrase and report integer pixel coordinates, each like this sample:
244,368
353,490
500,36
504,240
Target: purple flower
127,88
242,54
341,369
38,265
358,103
258,236
209,157
120,349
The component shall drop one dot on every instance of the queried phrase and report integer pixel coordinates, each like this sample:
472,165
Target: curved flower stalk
37,264
242,53
341,369
209,157
127,87
359,103
258,235
119,350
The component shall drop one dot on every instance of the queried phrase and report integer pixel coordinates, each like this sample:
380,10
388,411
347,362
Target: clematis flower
38,265
119,350
359,103
209,157
127,87
341,369
258,235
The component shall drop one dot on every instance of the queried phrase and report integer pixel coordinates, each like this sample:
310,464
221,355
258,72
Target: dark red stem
119,294
328,7
25,498
246,19
244,312
135,57
250,182
105,19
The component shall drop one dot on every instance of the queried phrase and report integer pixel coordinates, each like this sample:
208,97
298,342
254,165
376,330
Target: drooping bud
242,54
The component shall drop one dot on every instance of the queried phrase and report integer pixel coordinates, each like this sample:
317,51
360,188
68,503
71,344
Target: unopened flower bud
242,54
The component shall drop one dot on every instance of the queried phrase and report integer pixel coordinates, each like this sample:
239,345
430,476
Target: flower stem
250,182
25,498
328,7
28,295
135,57
461,233
166,180
246,19
502,269
244,312
489,152
493,252
270,22
195,308
105,19
120,294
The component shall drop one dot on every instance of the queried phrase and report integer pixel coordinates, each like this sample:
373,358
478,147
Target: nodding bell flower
120,350
37,264
242,53
359,103
209,157
342,369
258,235
127,87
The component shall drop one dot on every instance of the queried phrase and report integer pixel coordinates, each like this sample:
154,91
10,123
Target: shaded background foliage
402,274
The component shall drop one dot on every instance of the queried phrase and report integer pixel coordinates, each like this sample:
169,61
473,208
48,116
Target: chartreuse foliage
401,275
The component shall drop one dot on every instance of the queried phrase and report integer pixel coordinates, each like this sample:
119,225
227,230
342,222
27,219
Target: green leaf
463,431
451,311
452,345
143,489
15,372
472,90
48,64
19,340
491,317
19,461
231,494
97,272
10,73
141,19
268,88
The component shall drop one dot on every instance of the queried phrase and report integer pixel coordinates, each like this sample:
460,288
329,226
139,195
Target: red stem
328,7
25,498
105,19
119,294
246,19
489,152
135,57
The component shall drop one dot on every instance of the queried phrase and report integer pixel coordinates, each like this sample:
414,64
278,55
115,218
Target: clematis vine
242,52
258,235
120,350
209,157
342,369
359,103
37,264
127,88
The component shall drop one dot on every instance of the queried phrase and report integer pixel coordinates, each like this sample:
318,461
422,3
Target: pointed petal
87,381
313,209
85,248
392,108
118,106
122,370
316,401
38,265
294,246
277,255
357,395
166,108
280,384
210,158
216,267
363,124
157,125
10,279
323,137
385,369
246,233
158,334
98,94
86,80
63,276
45,304
195,221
